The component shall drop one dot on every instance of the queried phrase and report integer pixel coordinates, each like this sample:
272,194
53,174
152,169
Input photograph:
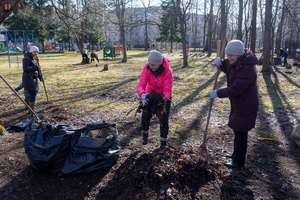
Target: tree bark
253,26
267,37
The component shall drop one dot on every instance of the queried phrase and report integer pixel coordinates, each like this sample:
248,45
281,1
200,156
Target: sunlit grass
110,95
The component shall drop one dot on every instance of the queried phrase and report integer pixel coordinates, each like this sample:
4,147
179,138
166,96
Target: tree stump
105,67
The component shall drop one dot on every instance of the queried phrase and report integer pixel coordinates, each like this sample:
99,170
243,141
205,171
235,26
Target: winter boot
163,143
145,137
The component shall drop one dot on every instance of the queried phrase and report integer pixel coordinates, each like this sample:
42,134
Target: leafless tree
240,20
121,20
183,7
267,39
253,26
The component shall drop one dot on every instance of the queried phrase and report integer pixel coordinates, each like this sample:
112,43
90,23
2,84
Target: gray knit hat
235,47
155,57
34,48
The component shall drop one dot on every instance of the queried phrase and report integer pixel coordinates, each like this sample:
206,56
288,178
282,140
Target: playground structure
112,51
17,42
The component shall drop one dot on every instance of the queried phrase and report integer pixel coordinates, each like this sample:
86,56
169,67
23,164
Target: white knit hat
235,47
155,57
34,48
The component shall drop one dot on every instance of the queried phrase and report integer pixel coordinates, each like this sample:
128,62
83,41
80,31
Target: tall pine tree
169,24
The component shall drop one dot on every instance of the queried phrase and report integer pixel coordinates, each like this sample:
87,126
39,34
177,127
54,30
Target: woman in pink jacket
156,76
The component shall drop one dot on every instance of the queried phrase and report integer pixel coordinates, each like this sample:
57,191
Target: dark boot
145,137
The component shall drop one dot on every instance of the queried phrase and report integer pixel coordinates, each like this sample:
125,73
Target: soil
181,171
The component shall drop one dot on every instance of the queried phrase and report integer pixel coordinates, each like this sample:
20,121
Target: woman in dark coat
242,92
31,74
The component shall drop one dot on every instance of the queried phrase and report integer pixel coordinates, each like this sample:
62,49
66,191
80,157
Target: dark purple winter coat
242,91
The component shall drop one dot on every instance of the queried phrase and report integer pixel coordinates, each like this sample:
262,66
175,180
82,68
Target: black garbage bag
64,150
48,146
23,124
95,149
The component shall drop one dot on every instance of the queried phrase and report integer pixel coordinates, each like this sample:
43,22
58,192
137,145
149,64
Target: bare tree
223,26
72,17
279,33
240,20
146,5
121,20
195,25
210,28
204,26
267,39
183,7
253,26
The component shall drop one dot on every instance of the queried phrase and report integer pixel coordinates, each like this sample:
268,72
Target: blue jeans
32,95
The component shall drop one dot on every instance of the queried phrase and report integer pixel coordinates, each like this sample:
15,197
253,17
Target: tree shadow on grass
31,184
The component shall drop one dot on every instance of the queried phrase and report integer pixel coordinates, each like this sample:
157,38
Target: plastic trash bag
64,150
22,125
48,147
94,149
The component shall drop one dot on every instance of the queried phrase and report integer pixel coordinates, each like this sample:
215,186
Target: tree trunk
253,26
240,20
279,29
223,28
210,28
123,43
182,20
267,37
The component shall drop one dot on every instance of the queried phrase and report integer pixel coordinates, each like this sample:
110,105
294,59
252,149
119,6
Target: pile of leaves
155,104
178,170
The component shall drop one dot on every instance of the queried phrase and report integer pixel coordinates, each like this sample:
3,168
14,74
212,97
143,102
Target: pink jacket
161,84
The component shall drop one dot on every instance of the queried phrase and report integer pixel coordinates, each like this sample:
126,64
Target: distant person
156,76
31,74
25,92
242,92
283,54
85,57
94,55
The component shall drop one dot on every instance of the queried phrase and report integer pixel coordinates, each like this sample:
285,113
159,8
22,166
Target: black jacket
30,73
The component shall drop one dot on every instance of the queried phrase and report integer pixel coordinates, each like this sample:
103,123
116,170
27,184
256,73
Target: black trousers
164,121
92,59
240,147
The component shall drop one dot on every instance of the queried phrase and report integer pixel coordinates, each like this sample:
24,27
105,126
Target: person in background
31,74
242,92
94,55
156,76
85,57
283,54
25,92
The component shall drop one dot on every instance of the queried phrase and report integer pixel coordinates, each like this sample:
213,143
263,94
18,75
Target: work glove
213,94
144,100
218,61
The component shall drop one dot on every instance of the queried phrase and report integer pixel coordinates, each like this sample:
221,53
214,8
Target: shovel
203,149
40,71
32,111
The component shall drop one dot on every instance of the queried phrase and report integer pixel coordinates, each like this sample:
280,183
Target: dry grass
86,91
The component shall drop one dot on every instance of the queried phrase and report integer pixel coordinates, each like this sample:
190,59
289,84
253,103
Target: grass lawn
81,94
